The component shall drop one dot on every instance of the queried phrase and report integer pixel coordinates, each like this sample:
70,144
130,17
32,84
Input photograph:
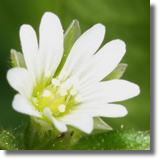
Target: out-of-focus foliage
128,20
114,140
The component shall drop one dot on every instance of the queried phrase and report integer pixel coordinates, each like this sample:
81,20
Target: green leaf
71,35
114,140
117,72
17,59
7,141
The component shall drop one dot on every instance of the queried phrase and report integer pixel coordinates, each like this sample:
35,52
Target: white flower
77,94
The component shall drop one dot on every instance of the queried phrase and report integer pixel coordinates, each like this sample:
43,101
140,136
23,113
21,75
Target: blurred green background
128,20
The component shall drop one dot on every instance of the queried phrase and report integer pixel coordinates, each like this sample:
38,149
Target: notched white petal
84,48
21,81
22,105
112,91
105,110
51,43
102,63
59,125
30,49
83,122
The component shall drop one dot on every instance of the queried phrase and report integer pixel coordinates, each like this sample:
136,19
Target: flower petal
30,49
83,122
59,125
22,105
102,63
21,81
112,91
84,48
51,43
106,110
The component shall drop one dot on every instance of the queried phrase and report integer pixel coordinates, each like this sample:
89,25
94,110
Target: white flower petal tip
22,105
59,125
21,81
100,28
26,30
49,16
50,43
136,90
117,111
82,122
102,110
88,42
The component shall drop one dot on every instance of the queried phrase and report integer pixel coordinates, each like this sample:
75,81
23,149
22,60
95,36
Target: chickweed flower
77,94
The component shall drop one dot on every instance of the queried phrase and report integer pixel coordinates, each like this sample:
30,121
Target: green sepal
117,72
70,36
63,141
114,140
36,138
7,141
100,124
17,59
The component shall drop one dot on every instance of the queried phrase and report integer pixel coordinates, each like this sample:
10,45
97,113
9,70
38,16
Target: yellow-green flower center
60,96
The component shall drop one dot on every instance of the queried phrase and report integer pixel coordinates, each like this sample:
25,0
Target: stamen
55,82
63,92
47,73
67,100
78,98
73,92
62,108
46,93
34,99
66,85
52,101
49,86
63,75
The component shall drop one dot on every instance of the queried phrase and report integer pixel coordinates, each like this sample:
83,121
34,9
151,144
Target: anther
46,93
73,92
47,73
55,82
78,98
62,108
63,75
63,92
65,85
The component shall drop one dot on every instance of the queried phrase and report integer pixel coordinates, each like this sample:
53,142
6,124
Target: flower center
60,96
